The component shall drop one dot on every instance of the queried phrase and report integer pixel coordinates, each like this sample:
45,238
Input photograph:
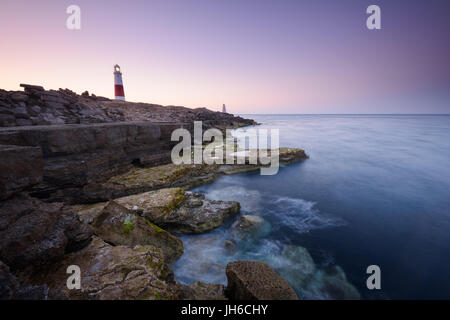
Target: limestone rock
229,246
141,179
154,205
254,280
30,87
198,215
204,291
20,168
4,109
24,122
72,108
180,212
13,289
7,120
18,97
34,233
248,222
119,226
21,112
249,226
88,213
113,272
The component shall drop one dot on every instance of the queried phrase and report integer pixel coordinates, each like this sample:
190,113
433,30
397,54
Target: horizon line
348,114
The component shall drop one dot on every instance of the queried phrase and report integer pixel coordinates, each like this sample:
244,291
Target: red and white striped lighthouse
118,84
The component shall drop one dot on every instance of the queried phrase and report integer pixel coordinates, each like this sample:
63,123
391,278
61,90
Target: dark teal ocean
375,191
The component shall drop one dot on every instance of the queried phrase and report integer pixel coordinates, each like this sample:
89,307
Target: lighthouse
224,109
118,84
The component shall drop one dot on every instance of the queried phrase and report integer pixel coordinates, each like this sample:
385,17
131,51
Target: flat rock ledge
187,176
172,209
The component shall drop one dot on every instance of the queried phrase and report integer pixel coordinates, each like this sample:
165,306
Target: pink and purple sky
314,56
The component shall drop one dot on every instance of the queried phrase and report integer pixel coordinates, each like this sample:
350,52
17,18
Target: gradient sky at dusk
314,56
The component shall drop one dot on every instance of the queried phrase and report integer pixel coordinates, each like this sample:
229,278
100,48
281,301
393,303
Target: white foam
302,216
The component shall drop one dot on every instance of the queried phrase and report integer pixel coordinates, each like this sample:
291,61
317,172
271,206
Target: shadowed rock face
20,168
77,155
119,226
254,280
35,233
12,289
113,272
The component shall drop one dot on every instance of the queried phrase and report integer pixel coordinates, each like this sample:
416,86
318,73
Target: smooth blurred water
374,191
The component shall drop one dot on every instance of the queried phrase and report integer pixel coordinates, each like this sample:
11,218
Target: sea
375,191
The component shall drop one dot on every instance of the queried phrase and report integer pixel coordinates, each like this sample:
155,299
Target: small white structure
224,109
119,93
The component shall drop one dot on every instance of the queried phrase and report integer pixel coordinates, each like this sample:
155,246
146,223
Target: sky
299,56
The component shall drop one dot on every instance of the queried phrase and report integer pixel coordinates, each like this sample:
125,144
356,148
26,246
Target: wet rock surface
254,280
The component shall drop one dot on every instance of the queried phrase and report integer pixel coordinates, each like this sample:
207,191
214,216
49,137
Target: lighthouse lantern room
118,84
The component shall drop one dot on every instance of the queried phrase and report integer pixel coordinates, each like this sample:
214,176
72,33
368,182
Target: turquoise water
374,191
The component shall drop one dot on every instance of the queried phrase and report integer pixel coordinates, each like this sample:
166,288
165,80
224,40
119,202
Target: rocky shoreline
87,181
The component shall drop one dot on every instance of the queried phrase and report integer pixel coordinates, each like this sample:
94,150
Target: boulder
113,273
88,213
119,226
230,246
254,280
30,87
248,222
249,226
178,211
154,205
198,215
35,233
20,167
